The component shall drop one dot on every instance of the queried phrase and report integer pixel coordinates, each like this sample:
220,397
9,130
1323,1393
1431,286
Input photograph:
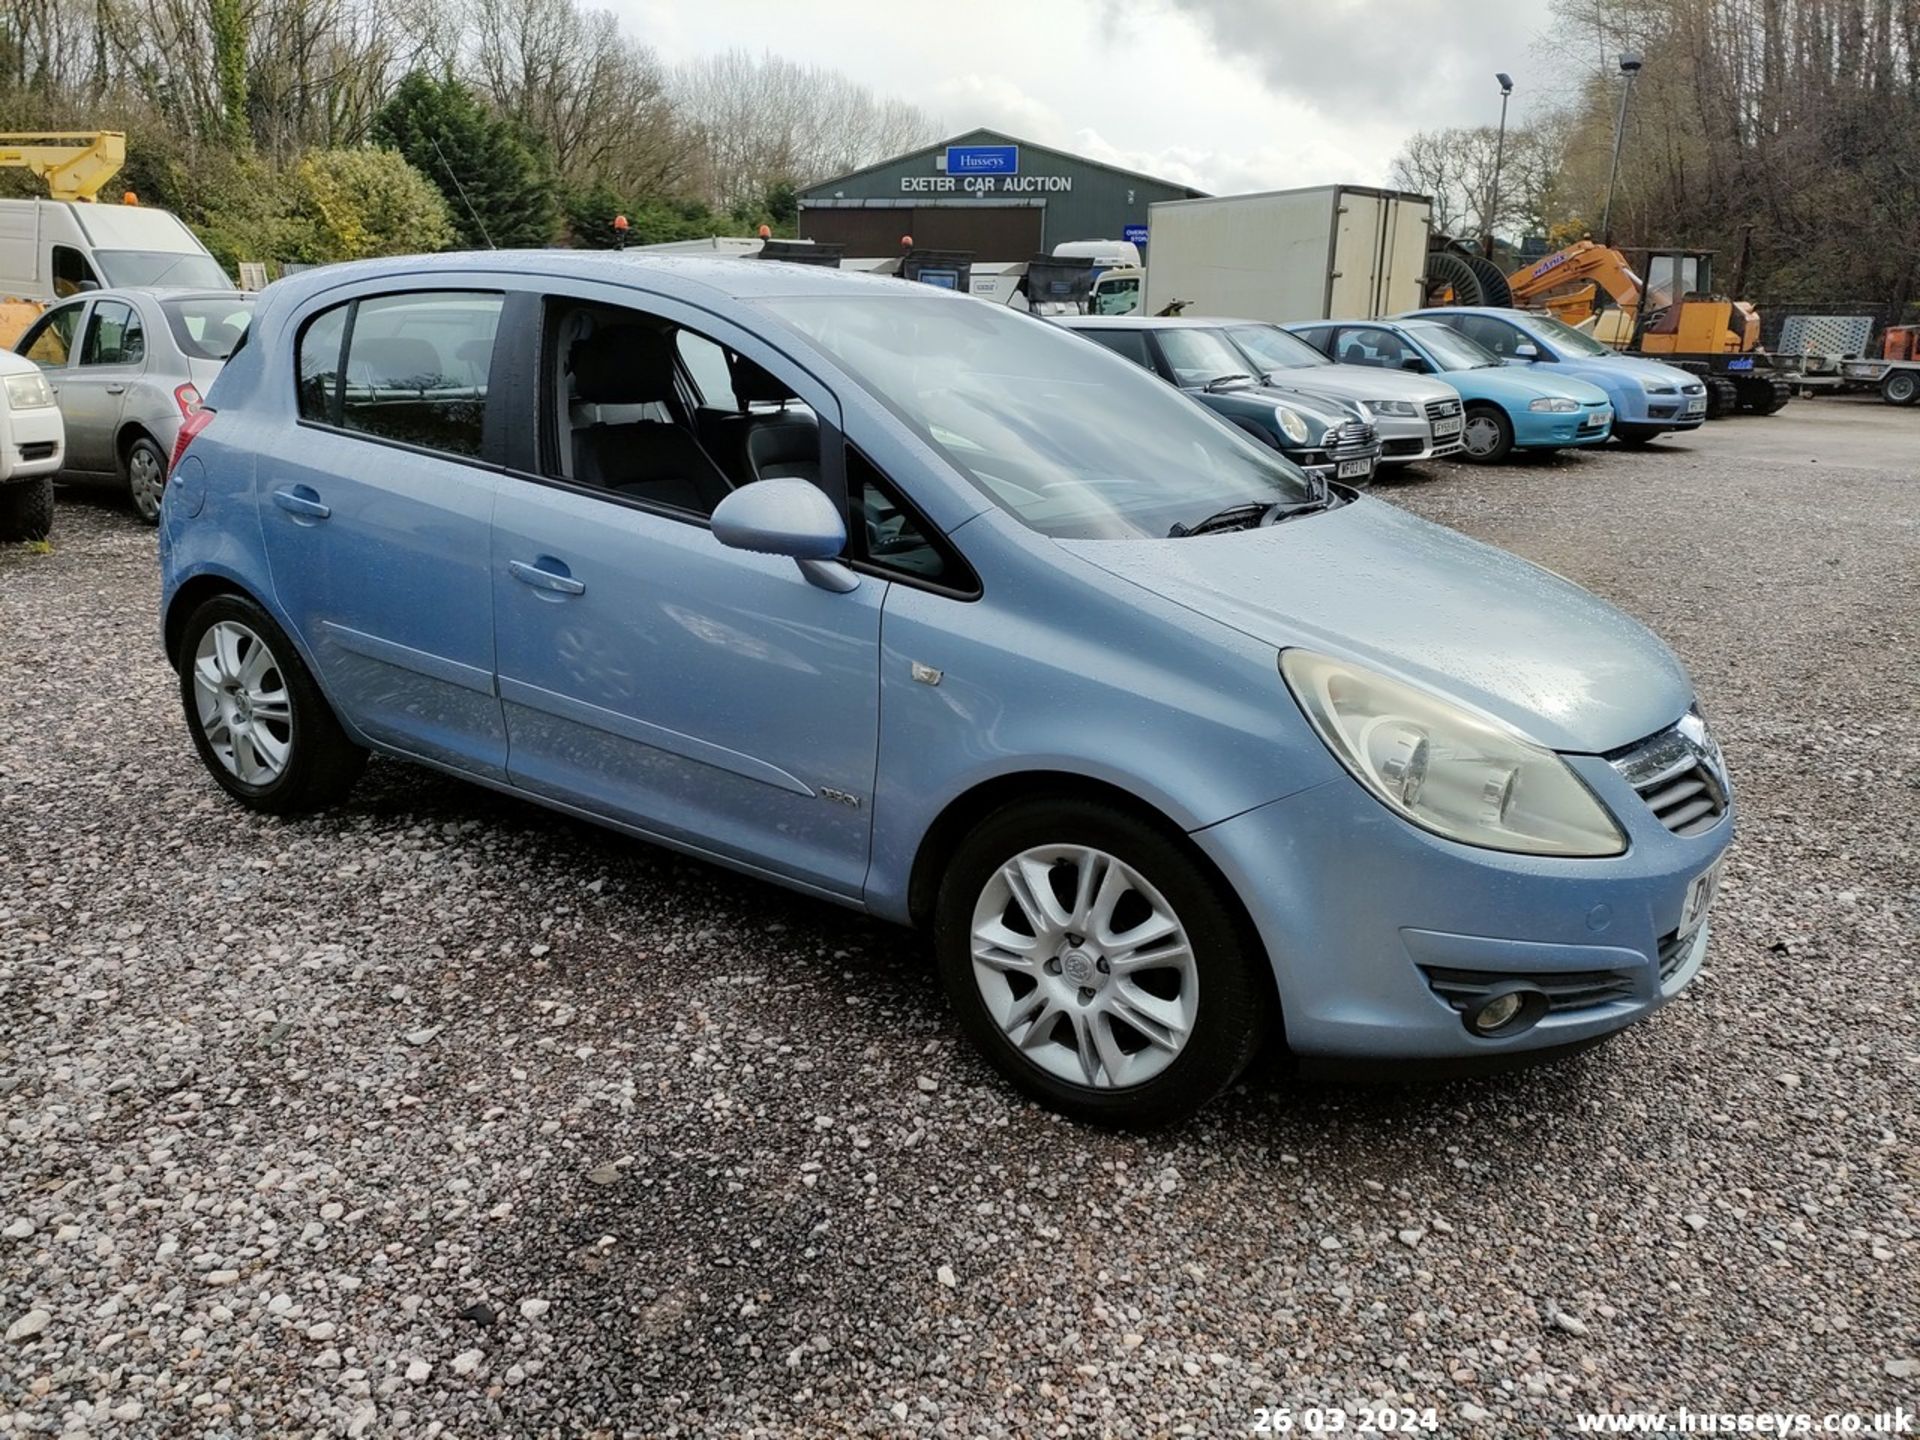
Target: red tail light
187,398
196,420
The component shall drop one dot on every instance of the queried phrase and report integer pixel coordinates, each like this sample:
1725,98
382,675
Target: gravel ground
443,1115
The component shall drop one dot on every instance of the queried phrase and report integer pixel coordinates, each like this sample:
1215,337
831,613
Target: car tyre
259,722
26,509
144,469
1488,435
1901,387
1133,927
1634,436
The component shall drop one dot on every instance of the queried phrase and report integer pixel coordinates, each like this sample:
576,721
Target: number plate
1447,425
1697,405
1598,418
1353,470
1700,895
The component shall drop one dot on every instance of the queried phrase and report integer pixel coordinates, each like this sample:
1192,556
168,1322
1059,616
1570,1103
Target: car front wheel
260,724
1488,435
1097,964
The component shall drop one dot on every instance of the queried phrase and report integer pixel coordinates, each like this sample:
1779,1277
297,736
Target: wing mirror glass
1526,351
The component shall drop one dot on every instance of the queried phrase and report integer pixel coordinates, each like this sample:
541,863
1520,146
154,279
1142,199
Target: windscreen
1200,357
1073,440
1567,338
141,269
1450,349
208,328
1272,348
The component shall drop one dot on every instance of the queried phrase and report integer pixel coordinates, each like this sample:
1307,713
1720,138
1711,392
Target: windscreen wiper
1251,516
1220,382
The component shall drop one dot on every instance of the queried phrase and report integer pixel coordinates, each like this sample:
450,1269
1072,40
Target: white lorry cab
50,249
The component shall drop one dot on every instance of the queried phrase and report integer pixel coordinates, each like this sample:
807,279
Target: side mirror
1415,364
1525,350
788,517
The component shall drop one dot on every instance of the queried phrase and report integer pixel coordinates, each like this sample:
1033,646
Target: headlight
1555,404
1392,407
1446,769
1291,425
1655,387
29,392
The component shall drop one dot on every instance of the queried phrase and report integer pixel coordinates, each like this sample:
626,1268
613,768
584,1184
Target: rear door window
408,368
114,336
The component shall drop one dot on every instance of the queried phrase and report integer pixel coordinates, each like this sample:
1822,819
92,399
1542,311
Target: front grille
1356,437
1564,989
1680,776
1441,409
38,449
1673,955
1402,447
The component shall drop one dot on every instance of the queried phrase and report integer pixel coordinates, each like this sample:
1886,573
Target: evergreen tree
498,188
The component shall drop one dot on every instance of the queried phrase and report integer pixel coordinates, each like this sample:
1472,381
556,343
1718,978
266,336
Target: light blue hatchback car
1506,408
1650,398
931,609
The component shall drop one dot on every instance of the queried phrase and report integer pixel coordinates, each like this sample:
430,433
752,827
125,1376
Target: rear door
93,392
377,510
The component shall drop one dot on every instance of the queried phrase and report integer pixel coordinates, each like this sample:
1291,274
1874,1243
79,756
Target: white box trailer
1335,252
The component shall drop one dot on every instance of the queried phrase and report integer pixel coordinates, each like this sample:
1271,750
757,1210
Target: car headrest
622,365
395,360
752,384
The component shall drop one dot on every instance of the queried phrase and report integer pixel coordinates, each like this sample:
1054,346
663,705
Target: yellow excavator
74,163
1672,314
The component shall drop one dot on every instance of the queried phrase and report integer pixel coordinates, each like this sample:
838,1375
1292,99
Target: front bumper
1588,426
1409,439
1358,909
1665,412
32,442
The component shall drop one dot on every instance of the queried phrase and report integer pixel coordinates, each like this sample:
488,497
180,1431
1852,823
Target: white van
50,249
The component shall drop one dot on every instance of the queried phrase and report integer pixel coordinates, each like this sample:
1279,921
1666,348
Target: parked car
1649,398
32,442
1330,439
1507,408
1418,416
937,611
128,366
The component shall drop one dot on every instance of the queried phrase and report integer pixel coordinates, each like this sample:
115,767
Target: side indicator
926,674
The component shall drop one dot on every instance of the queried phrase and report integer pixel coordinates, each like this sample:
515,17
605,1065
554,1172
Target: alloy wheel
242,702
1084,966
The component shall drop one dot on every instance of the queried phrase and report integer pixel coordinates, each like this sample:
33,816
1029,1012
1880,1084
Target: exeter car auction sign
983,170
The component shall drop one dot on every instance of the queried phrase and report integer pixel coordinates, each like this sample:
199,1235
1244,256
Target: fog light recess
1507,1011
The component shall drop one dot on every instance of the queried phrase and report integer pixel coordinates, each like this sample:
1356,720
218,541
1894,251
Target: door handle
116,389
301,500
542,578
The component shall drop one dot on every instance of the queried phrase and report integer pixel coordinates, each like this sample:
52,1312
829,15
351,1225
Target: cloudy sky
1223,94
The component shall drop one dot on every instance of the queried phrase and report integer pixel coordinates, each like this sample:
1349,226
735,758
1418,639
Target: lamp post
1629,67
1499,155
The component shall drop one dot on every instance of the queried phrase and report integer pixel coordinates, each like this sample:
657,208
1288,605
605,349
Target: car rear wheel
260,724
1097,963
1901,387
1488,435
146,473
26,509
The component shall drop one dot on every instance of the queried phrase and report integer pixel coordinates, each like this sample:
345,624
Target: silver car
127,366
1418,417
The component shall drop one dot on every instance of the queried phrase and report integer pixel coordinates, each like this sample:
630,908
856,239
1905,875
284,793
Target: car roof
736,277
1153,322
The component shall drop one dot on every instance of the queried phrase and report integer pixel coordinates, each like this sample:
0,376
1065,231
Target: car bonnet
1371,583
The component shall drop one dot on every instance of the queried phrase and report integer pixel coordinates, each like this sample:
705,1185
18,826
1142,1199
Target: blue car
1650,399
938,612
1506,409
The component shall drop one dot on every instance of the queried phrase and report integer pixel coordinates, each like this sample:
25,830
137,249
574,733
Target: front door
93,391
377,510
709,696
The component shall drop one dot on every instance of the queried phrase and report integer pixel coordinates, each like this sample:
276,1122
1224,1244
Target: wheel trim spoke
244,708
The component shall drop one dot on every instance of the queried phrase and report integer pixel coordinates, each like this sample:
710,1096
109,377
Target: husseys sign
983,170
